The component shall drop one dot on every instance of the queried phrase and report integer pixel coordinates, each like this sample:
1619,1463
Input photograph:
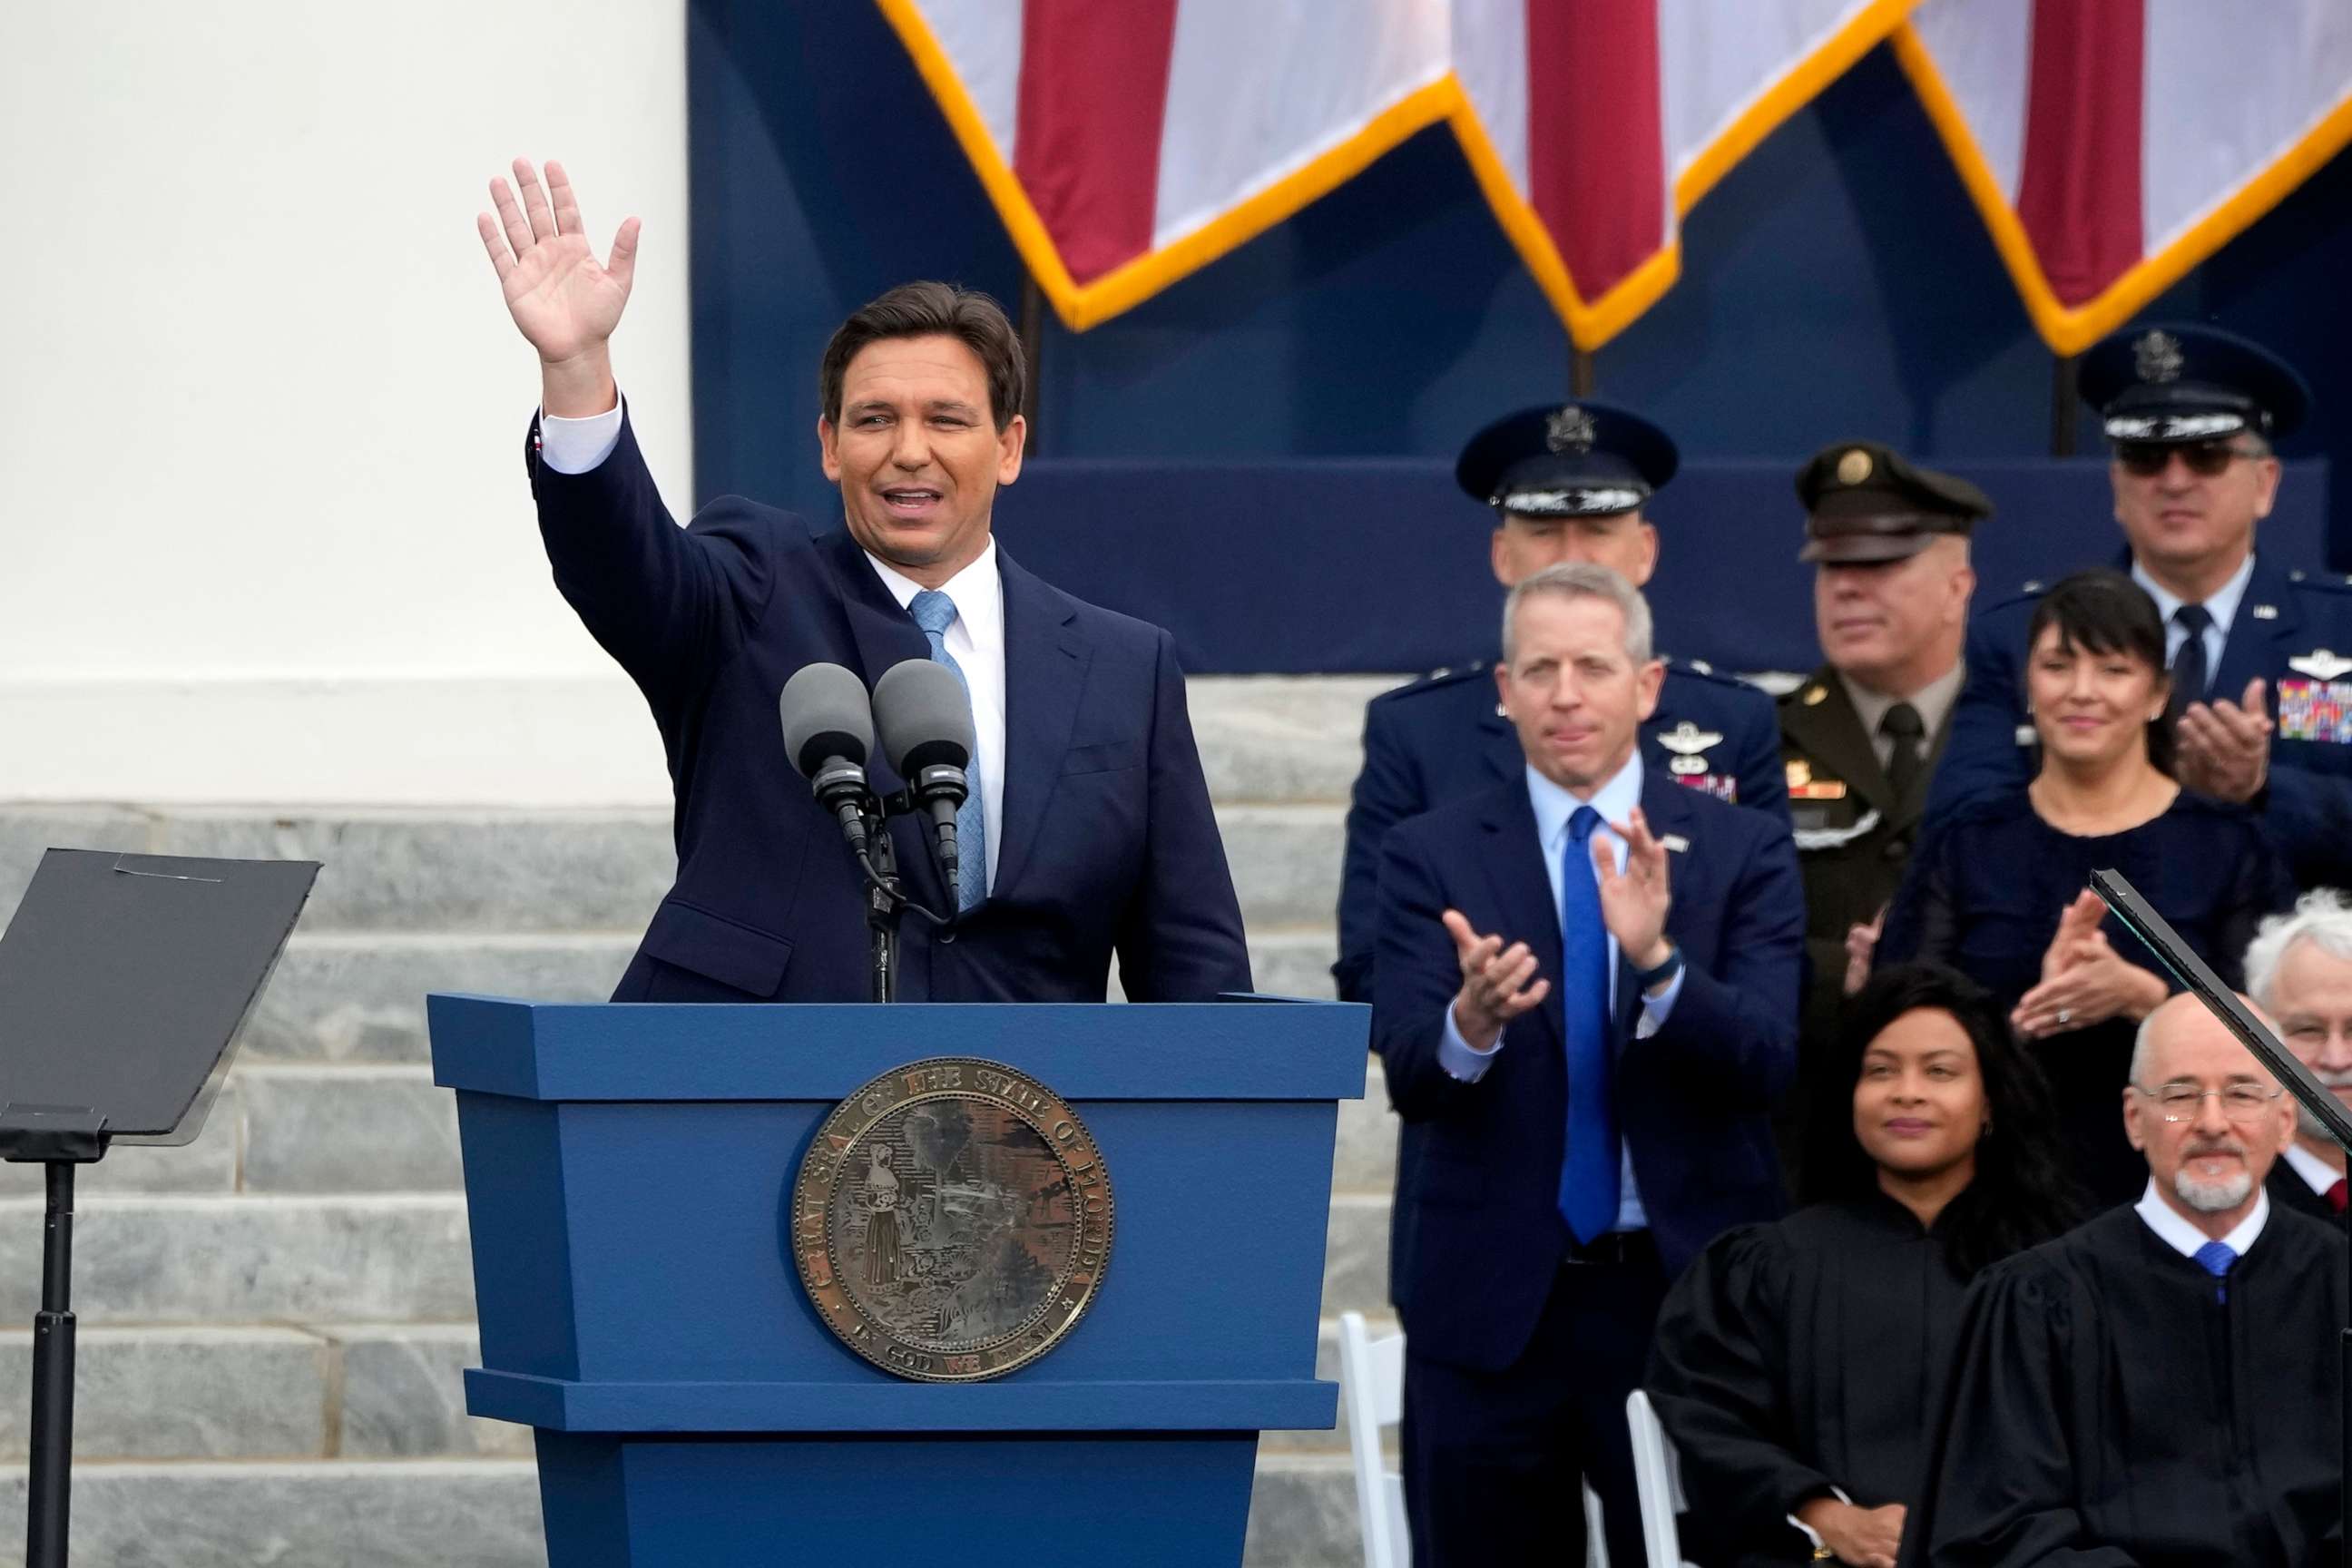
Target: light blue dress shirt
2222,606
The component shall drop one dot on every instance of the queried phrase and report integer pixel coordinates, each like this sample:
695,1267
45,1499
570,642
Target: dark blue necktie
2190,669
2215,1257
1587,1174
935,613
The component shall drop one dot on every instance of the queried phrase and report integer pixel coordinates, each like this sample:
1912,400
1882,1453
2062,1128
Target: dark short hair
2023,1193
2106,612
927,310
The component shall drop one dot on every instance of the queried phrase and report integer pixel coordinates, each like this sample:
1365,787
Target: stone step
359,997
292,1129
173,1259
509,872
315,1391
399,1258
1282,738
320,1391
484,1513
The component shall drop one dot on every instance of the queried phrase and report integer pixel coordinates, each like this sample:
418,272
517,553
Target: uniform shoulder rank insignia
1815,695
1803,786
2157,357
1688,742
2031,585
2320,664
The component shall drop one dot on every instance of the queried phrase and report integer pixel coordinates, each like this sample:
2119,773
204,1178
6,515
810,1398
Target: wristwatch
1668,967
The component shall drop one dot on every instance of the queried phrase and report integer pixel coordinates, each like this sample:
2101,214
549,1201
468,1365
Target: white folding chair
1371,1387
1658,1481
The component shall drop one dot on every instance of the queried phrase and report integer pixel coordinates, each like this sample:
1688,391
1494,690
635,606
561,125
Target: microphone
828,731
925,716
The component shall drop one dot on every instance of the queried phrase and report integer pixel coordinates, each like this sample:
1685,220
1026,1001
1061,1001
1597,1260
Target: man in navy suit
1565,484
1587,999
2262,681
1092,834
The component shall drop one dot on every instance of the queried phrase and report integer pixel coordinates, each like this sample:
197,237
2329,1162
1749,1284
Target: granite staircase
274,1317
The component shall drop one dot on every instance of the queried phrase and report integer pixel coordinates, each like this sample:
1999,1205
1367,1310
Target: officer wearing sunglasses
2260,652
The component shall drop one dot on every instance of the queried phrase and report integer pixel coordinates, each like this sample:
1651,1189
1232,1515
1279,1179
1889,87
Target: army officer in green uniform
1860,738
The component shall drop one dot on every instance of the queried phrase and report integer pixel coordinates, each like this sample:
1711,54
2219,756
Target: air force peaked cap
1866,502
2175,383
1574,459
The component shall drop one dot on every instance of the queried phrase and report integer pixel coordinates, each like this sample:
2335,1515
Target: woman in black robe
1998,890
1796,1362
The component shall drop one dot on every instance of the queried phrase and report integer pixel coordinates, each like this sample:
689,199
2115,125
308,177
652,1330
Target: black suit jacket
1110,846
1478,1234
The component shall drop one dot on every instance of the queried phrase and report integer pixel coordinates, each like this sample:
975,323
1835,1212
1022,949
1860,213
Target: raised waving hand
563,300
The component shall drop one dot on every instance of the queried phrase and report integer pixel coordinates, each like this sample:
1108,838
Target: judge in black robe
1793,1361
2118,1404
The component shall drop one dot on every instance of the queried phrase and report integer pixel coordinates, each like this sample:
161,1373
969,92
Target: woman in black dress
1999,890
1796,1364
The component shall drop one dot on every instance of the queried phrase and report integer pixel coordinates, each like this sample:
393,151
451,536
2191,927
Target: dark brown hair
2104,612
926,310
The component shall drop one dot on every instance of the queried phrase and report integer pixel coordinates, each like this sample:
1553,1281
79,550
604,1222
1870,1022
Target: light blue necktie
2215,1257
935,612
1589,1172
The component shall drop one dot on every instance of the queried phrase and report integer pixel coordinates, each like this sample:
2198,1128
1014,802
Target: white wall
264,530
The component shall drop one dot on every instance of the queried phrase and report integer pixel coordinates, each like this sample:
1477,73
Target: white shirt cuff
576,446
1807,1531
1459,1058
1657,1010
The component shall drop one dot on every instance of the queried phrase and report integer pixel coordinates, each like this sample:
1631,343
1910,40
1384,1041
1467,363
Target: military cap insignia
2320,664
2156,356
1687,741
1854,468
1569,429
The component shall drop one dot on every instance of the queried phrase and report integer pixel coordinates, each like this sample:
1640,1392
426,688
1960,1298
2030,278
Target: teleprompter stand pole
59,1139
48,1500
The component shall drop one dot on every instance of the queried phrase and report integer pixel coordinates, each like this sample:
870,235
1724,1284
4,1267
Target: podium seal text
951,1220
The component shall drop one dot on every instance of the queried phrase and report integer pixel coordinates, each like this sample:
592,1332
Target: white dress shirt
2175,1231
2222,606
975,637
2316,1173
1554,807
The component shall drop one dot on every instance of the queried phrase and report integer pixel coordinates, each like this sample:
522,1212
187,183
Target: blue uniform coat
2286,615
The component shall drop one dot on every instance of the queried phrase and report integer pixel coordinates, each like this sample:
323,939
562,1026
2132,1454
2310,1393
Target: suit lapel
1522,884
882,633
1831,732
2258,643
1046,660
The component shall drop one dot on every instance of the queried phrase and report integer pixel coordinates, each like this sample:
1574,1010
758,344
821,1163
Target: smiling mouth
912,500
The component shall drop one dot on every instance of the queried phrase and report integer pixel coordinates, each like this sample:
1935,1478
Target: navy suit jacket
1478,1237
1109,842
2287,614
1439,740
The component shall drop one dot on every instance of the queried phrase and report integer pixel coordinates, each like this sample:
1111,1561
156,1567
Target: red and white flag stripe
2112,145
1127,144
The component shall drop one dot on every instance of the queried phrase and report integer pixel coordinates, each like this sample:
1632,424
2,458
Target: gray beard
2212,1197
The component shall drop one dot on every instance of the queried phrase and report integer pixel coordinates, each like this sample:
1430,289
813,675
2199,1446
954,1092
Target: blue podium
629,1172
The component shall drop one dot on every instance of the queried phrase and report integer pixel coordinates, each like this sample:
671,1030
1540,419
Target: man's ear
828,448
1649,682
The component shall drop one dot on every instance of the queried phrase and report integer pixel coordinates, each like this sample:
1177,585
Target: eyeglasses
2148,458
2241,1102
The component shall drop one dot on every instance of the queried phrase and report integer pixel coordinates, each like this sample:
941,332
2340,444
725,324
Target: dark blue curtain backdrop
1837,283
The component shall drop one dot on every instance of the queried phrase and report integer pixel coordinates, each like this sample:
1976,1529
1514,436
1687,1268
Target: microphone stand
2315,1097
886,897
